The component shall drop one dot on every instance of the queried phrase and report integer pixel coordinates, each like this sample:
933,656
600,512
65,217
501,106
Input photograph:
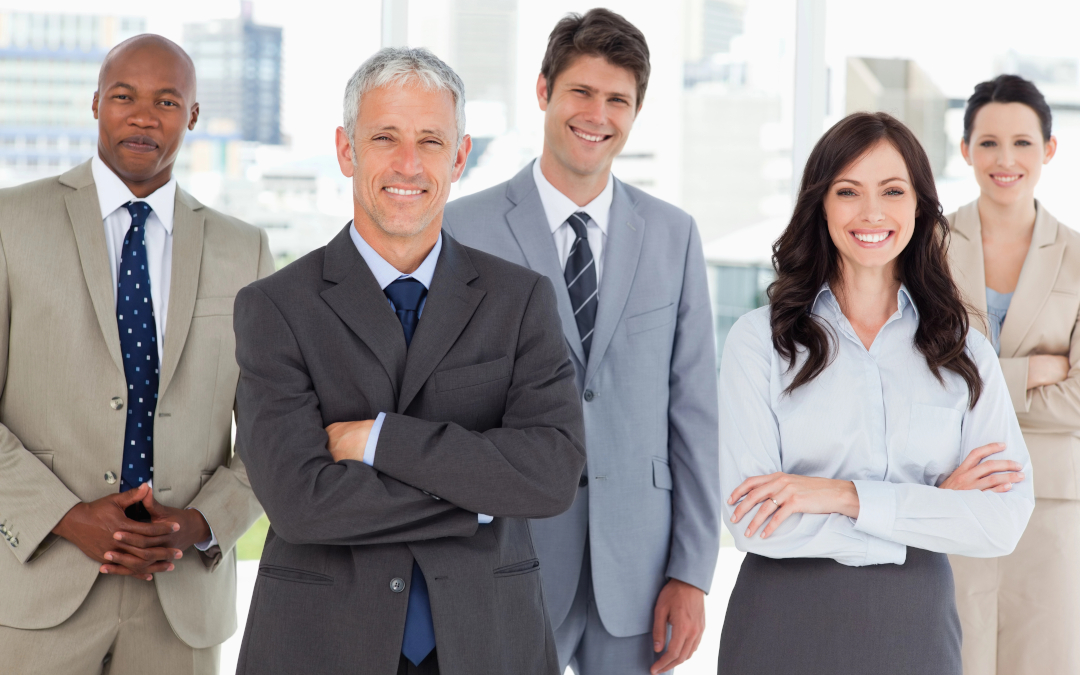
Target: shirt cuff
877,508
483,518
212,541
373,439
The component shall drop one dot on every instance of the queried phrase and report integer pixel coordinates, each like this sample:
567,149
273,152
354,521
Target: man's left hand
682,606
132,549
348,439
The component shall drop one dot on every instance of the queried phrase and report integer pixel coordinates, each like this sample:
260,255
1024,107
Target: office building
48,74
239,66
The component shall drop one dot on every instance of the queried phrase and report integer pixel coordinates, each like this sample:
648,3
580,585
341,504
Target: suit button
116,403
583,481
397,584
589,395
110,477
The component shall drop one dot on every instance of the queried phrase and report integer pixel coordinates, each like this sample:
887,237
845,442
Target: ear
194,117
344,152
542,93
1051,150
965,151
464,148
93,106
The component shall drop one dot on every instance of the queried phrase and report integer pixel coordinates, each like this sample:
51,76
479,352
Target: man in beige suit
120,500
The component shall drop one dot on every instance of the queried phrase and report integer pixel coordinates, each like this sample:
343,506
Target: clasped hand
127,547
782,494
348,439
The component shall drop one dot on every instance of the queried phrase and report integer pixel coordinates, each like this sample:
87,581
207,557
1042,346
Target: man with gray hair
403,406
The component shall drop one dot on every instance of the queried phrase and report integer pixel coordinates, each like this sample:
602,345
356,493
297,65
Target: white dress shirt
879,418
558,208
112,195
386,274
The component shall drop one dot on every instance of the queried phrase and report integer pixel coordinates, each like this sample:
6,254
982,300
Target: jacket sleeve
310,498
227,501
1054,408
32,499
527,468
693,430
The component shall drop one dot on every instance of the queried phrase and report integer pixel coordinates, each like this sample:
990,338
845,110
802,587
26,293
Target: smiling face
406,157
1007,152
590,110
870,209
144,105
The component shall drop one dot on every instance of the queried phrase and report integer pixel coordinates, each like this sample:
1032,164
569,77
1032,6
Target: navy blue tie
138,344
419,638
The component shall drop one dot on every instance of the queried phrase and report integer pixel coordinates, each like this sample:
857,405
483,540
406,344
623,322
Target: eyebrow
166,90
858,184
594,90
391,127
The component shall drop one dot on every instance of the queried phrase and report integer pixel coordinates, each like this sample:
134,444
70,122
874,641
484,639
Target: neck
405,253
1007,222
867,296
578,188
141,187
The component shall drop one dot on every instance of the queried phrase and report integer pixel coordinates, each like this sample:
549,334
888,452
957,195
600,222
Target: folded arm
1050,408
528,467
309,497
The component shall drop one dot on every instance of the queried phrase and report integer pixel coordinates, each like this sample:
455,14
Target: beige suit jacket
1042,319
61,374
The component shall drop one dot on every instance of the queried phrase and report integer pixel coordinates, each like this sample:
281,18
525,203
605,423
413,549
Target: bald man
120,498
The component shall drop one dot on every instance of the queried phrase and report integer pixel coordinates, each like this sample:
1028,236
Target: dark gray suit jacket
482,417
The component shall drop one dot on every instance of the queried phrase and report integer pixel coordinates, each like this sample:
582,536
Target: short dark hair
599,32
1007,89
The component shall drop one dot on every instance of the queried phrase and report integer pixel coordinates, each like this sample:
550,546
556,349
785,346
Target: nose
872,212
406,160
144,115
596,111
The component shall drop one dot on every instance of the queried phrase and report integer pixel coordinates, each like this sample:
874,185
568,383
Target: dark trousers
429,666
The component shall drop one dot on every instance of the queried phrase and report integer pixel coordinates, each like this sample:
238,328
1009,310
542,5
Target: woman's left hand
782,494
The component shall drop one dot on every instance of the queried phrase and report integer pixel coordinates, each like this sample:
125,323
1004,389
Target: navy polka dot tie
138,344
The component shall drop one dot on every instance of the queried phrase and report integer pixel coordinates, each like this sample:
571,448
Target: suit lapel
530,227
626,231
85,214
966,261
357,299
188,225
1037,279
450,305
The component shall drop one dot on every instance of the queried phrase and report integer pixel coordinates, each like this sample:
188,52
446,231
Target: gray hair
399,65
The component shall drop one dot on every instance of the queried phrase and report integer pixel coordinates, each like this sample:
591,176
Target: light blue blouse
881,419
997,306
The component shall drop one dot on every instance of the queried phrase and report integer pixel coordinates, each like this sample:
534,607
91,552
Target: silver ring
774,502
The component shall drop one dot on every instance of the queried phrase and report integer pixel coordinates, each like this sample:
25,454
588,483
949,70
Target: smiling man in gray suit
396,387
636,552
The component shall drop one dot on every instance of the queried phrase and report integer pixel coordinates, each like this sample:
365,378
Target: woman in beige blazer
1019,271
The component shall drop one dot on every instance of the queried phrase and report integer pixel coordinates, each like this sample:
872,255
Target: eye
1023,144
381,138
845,192
894,192
169,103
433,141
580,91
988,144
619,100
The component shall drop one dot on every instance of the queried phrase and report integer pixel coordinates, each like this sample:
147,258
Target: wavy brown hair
805,258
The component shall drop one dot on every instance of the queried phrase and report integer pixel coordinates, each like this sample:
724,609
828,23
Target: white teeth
399,191
581,134
872,238
1006,179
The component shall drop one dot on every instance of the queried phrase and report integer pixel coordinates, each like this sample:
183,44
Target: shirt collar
558,207
113,194
385,273
903,301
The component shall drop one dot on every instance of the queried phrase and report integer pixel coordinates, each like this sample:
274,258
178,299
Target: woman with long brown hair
1018,269
865,432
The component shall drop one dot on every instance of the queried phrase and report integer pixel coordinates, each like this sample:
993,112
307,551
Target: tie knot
406,294
139,211
579,224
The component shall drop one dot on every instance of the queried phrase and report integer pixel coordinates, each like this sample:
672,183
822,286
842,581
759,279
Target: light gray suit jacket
650,401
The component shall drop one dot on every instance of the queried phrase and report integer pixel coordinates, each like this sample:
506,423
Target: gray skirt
806,616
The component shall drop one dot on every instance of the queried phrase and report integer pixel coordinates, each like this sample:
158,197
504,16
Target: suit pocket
44,457
518,568
295,575
205,477
220,306
661,474
470,376
656,318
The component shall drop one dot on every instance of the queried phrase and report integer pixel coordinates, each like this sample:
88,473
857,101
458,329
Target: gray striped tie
580,275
